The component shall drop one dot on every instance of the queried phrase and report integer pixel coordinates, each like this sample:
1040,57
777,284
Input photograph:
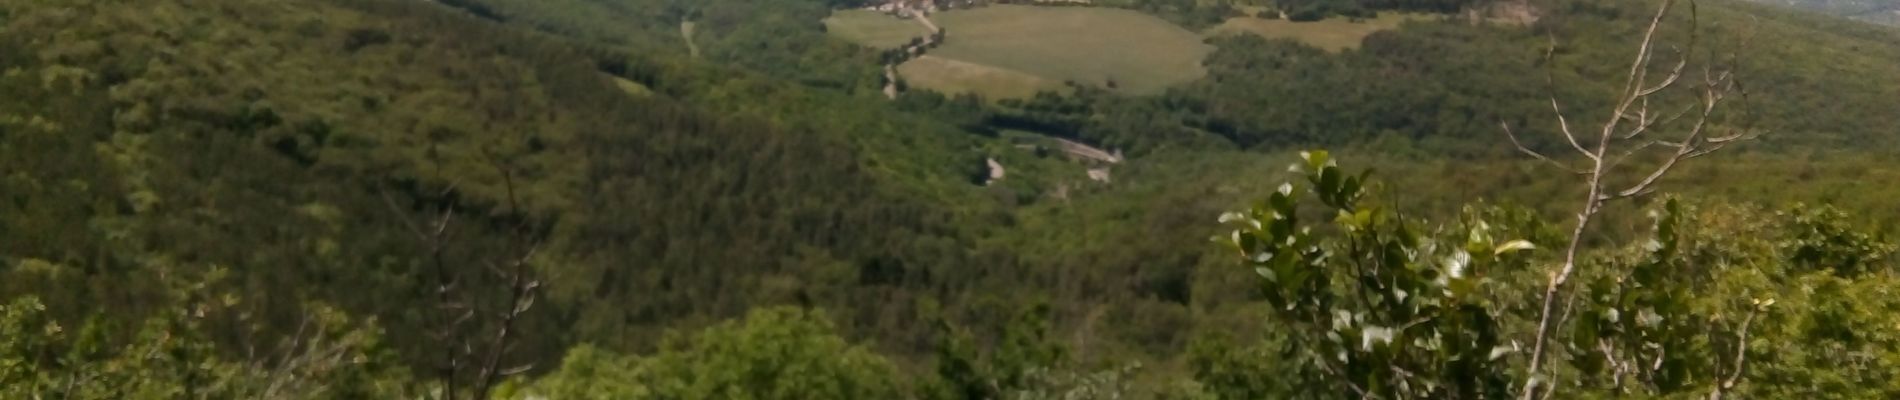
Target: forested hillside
714,199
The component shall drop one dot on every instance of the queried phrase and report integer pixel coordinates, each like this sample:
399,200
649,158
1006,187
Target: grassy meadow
1333,34
1014,51
873,29
1006,51
1141,54
957,77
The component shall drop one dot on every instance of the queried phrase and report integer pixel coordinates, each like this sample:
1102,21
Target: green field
1140,53
873,29
1013,51
1331,34
957,77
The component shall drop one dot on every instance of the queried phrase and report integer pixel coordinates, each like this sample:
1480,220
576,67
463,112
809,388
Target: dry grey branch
1632,128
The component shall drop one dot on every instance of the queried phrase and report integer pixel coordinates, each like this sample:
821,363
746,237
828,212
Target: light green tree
1717,301
774,353
169,355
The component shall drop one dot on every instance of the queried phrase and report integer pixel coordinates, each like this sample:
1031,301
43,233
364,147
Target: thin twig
1741,356
1534,154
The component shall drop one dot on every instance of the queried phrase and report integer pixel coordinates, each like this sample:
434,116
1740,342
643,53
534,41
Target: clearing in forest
1133,52
956,77
1332,34
874,29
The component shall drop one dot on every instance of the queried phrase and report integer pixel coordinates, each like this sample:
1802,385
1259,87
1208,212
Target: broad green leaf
1513,246
1315,159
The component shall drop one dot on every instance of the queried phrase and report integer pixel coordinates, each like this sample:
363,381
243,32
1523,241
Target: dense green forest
558,199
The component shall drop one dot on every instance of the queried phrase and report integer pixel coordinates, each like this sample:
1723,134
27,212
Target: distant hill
1885,12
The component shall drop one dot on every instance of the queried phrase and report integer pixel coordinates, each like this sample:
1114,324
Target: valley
816,199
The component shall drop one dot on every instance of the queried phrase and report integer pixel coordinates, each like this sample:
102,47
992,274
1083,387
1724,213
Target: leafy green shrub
588,372
1823,241
1706,306
1307,14
171,354
774,353
1386,307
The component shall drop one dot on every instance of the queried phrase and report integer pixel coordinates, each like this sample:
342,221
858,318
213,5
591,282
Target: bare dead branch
1632,151
1741,355
452,314
1534,154
1630,119
1569,303
1638,76
1689,146
1644,126
517,370
1674,75
1550,81
442,223
1682,54
1737,136
1564,124
1350,385
1616,366
521,288
1661,353
402,216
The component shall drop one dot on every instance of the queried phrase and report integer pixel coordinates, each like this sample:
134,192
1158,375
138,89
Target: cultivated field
874,29
1008,51
954,77
1332,34
1141,54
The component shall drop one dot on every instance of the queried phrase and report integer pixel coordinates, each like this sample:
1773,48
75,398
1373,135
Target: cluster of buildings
906,8
910,8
